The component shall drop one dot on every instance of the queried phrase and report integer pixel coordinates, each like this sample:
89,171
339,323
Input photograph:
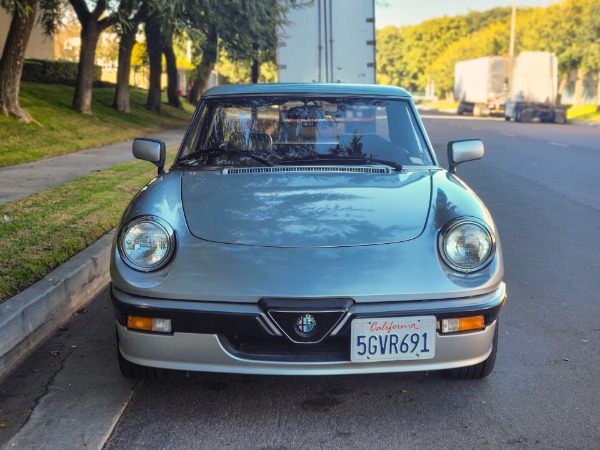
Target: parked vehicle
307,229
480,85
533,89
328,41
523,88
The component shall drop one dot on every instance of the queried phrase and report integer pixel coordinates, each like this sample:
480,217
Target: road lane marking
558,144
425,115
509,135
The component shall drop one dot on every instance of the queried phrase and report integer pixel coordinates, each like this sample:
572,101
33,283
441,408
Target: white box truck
522,88
480,85
533,88
328,41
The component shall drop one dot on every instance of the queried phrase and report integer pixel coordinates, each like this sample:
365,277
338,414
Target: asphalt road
541,183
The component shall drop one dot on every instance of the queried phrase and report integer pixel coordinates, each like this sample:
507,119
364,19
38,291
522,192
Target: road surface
541,183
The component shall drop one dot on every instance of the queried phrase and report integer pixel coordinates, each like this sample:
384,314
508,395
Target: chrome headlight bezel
163,226
453,226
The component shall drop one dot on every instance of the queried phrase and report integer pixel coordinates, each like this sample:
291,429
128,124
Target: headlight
467,245
146,243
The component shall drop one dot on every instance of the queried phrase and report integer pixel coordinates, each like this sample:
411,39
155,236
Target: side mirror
151,150
462,151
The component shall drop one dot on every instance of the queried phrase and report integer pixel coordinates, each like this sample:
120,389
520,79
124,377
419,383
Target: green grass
73,216
584,113
60,130
439,105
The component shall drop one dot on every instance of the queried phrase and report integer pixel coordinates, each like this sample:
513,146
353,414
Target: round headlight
146,243
467,245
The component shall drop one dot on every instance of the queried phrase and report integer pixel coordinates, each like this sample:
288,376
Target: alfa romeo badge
306,325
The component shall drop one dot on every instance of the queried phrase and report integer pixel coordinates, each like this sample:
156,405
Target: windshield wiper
197,154
358,159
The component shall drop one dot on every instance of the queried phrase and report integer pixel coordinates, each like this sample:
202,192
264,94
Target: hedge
55,72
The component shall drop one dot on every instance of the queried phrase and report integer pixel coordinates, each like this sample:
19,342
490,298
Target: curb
30,316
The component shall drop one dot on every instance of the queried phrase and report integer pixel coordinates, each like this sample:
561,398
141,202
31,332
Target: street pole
512,29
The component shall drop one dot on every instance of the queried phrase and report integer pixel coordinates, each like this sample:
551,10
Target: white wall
39,47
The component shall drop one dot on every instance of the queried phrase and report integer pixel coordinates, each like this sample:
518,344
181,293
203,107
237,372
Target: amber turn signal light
149,324
459,324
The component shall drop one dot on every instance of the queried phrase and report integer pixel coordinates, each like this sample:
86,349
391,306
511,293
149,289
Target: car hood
304,209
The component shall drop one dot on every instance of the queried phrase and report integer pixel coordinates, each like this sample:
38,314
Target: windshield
255,131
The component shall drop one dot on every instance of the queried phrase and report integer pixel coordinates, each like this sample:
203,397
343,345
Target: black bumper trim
192,321
254,323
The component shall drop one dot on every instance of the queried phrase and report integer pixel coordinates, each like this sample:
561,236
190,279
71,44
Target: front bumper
242,338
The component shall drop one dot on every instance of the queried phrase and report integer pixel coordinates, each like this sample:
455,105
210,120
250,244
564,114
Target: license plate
393,338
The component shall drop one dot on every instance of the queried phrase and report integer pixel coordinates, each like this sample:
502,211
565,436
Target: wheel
527,115
477,371
507,119
560,117
131,370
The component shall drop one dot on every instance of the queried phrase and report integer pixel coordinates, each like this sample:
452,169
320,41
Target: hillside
61,130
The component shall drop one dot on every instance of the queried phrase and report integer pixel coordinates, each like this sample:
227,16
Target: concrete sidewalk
25,179
29,317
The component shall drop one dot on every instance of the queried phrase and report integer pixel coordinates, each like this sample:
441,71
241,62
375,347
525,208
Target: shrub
55,72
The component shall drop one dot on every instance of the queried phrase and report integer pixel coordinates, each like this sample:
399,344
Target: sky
411,12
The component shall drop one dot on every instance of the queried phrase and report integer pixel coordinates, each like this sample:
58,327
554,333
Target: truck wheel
560,117
527,115
477,371
507,119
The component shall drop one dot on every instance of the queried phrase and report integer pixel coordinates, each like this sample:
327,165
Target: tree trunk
82,100
207,64
11,65
579,87
154,45
172,75
255,69
91,28
122,98
561,88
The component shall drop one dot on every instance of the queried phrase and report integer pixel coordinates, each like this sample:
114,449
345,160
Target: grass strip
42,231
59,129
589,114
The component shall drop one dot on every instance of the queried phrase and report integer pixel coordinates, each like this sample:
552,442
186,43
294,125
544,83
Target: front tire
477,371
136,371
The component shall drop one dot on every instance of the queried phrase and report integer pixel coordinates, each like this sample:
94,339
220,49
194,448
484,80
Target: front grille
322,169
280,349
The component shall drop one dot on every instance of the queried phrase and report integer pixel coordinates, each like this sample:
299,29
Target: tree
154,44
13,55
172,73
206,64
159,41
245,29
256,37
590,43
492,40
136,12
93,22
405,55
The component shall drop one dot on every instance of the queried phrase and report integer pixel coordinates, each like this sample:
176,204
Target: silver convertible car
307,229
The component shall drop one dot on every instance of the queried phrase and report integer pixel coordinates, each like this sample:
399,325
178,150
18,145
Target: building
39,47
